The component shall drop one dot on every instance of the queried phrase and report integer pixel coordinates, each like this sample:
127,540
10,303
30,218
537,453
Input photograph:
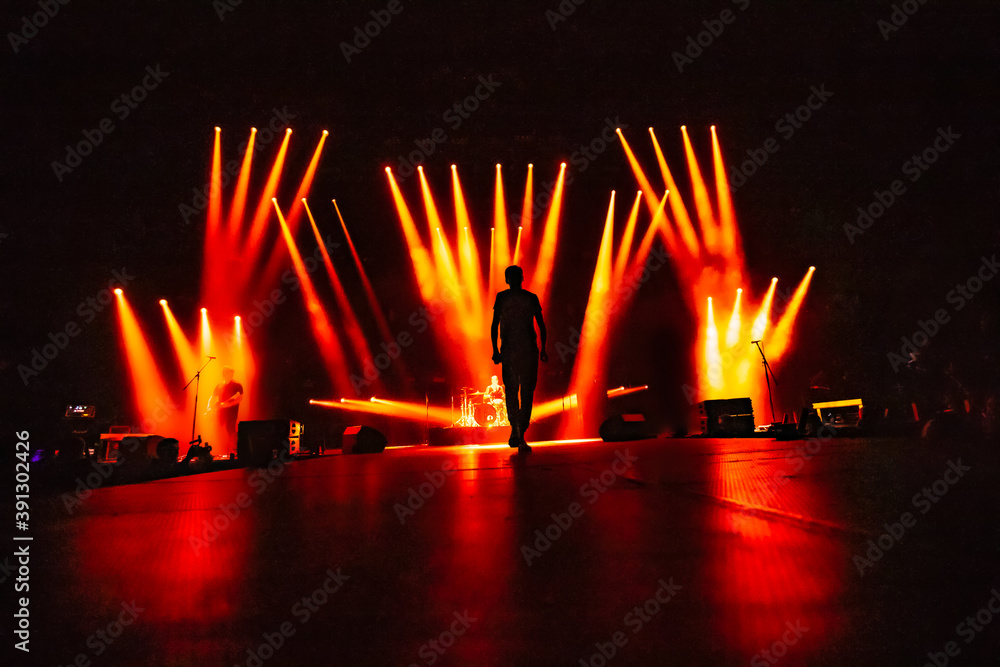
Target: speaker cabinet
726,418
363,440
259,441
624,428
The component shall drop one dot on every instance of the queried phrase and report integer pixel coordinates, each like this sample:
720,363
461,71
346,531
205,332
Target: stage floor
681,551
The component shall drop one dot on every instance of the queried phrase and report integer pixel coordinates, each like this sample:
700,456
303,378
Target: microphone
753,342
213,357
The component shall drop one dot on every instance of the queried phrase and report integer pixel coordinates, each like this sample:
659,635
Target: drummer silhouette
514,314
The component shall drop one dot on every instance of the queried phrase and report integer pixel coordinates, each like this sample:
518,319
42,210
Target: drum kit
477,410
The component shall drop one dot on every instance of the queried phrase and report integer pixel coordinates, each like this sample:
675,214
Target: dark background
119,208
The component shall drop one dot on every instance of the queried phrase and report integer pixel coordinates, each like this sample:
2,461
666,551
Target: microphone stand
767,369
197,383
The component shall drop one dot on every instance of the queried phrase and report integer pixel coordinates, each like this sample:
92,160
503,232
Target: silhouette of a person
514,313
225,402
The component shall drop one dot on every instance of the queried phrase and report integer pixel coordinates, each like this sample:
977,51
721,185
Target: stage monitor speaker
259,441
726,418
623,428
363,440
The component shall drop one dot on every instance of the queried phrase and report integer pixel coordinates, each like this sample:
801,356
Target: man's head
514,276
494,379
227,373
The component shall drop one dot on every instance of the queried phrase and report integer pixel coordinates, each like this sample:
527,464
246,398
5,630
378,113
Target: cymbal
478,393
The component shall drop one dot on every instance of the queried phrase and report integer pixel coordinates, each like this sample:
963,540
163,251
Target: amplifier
258,441
726,418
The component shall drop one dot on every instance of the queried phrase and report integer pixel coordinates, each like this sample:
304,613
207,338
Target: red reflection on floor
776,566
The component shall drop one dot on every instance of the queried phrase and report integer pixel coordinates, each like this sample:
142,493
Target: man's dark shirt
223,392
517,310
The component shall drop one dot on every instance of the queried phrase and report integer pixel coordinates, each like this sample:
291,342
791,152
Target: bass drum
486,415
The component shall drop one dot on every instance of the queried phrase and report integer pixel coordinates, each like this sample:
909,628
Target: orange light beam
214,218
735,325
713,357
555,407
677,207
702,203
501,235
761,321
423,268
206,334
782,336
414,412
517,247
729,232
350,320
625,249
625,391
264,206
329,344
491,288
444,262
149,391
187,358
589,369
527,208
541,280
373,302
215,187
640,174
659,223
294,214
242,185
470,271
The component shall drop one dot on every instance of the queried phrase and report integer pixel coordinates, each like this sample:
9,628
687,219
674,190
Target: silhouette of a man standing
514,313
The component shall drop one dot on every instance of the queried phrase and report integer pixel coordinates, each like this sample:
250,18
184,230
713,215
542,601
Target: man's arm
212,400
235,399
495,333
543,355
